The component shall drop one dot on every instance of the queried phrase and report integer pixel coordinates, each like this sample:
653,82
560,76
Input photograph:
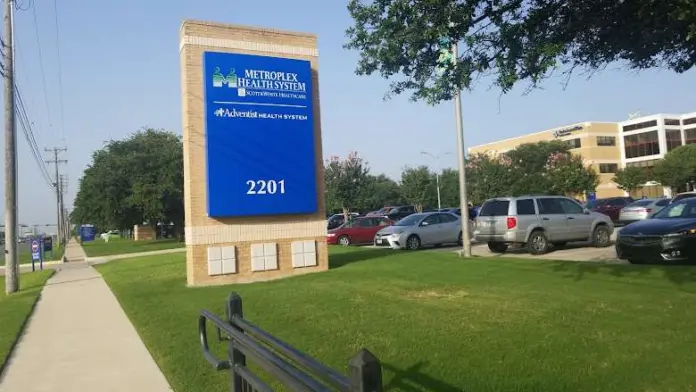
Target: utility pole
464,205
11,224
59,210
64,218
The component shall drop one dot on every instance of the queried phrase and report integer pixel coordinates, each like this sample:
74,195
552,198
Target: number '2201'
265,187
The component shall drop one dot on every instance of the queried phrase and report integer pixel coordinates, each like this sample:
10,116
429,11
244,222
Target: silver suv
539,222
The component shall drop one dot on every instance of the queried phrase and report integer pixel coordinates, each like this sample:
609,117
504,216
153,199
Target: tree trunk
346,214
419,208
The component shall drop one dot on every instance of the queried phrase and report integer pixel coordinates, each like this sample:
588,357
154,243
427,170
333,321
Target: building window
641,144
646,124
606,141
608,167
672,122
674,139
690,135
689,121
574,143
647,163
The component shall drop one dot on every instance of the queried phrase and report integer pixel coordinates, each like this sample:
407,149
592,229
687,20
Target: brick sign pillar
253,172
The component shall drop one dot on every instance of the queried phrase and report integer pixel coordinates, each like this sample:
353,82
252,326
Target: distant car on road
421,229
360,230
538,222
669,236
641,210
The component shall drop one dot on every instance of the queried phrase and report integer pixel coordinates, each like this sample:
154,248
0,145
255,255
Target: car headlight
681,233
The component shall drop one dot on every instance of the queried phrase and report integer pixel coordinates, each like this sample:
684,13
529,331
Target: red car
610,206
357,231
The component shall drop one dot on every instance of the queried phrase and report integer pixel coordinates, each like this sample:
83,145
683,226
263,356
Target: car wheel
344,240
497,247
538,244
601,237
413,243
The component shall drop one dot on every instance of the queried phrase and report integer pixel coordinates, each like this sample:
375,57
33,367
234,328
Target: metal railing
292,368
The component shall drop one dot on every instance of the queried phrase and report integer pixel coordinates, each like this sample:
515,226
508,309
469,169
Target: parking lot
573,251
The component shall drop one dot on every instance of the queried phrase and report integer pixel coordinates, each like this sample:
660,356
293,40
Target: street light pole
464,205
437,174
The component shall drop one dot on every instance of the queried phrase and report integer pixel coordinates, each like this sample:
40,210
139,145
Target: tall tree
677,168
488,176
630,179
132,181
513,40
568,175
381,191
529,163
346,181
449,187
418,187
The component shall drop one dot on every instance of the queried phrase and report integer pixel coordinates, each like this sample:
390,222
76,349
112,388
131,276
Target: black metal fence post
365,372
237,358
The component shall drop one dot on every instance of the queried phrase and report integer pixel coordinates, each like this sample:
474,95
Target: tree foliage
418,187
630,179
449,188
533,168
132,181
488,176
677,168
513,40
346,181
567,174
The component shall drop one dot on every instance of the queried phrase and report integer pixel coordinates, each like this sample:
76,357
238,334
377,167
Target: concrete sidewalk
79,339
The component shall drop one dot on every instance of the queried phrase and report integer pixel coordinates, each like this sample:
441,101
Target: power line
29,135
41,66
60,72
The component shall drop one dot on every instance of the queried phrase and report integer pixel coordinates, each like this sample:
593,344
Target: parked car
641,209
336,220
669,236
610,206
421,229
400,212
360,230
381,212
451,210
682,196
538,222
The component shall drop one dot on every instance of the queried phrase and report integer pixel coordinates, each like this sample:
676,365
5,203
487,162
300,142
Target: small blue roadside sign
36,253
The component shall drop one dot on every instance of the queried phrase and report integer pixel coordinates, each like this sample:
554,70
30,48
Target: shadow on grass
338,260
678,274
412,379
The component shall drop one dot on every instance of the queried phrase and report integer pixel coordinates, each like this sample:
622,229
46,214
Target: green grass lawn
25,255
15,308
439,323
117,246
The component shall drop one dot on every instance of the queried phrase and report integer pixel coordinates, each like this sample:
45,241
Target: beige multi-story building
610,146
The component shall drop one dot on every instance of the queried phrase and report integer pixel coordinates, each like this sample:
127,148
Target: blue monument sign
87,233
260,141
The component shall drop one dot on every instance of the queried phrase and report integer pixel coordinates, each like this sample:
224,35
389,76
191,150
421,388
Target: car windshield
383,211
681,209
410,220
640,203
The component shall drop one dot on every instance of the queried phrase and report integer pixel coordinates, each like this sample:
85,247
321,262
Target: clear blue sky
120,67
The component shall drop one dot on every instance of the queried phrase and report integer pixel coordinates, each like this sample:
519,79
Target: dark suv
611,206
400,212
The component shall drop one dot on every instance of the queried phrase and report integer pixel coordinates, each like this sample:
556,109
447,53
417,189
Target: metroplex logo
219,80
